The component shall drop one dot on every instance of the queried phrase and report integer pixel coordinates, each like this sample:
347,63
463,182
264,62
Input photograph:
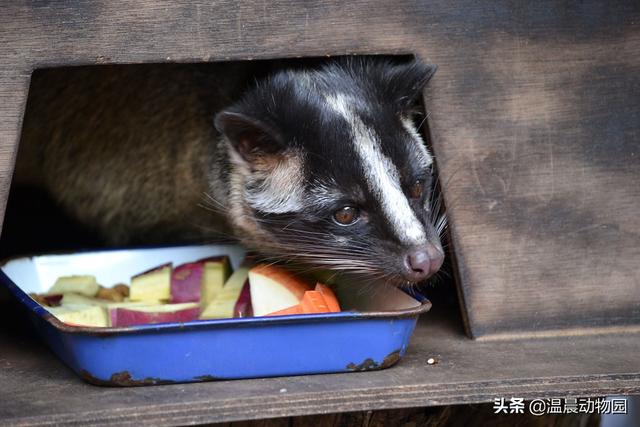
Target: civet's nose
422,261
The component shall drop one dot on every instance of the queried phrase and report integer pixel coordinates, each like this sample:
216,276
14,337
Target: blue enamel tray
372,333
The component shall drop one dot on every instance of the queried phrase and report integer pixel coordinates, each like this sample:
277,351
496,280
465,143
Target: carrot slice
294,309
313,302
329,297
321,300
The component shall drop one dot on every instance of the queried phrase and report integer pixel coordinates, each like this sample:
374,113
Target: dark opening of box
35,221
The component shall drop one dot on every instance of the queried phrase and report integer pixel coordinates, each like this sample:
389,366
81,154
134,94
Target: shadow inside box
34,224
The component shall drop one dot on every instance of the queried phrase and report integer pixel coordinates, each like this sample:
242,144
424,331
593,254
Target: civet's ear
252,140
407,80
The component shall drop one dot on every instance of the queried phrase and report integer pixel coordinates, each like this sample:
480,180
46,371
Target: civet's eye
415,191
347,215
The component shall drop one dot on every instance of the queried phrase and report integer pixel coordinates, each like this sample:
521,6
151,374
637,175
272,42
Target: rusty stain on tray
206,378
370,365
123,379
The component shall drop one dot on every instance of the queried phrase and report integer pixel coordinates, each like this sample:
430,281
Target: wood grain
533,113
539,153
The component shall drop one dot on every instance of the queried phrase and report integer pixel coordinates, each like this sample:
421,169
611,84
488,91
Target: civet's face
329,170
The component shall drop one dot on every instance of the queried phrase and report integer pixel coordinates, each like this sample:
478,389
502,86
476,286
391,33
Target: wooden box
534,116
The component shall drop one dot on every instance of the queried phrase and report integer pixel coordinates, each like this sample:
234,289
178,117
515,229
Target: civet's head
327,168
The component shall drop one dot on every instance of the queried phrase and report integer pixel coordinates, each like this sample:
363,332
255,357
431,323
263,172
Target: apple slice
85,285
152,286
215,274
80,315
274,288
186,282
143,315
225,302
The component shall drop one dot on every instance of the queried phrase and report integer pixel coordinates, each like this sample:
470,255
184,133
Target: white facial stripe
323,194
424,155
420,149
282,188
381,175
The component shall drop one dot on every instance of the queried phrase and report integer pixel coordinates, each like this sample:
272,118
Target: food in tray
243,306
152,286
199,281
112,294
186,282
203,289
129,316
85,285
80,315
228,302
216,273
122,289
79,299
273,289
47,300
329,297
320,300
277,292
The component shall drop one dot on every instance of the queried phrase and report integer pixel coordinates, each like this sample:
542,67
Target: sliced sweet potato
243,306
153,285
109,294
79,284
122,289
80,315
184,312
225,303
186,282
216,272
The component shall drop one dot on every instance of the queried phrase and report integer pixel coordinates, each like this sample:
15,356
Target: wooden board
533,112
536,131
37,389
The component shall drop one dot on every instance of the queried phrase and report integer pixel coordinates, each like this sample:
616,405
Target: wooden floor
36,389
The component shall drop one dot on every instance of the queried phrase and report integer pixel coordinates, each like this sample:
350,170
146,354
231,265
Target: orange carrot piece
294,309
313,302
321,300
329,297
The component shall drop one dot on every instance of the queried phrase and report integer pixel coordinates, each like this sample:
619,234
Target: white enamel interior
39,273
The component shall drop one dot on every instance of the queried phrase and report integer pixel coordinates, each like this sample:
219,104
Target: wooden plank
37,389
534,118
539,153
13,93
